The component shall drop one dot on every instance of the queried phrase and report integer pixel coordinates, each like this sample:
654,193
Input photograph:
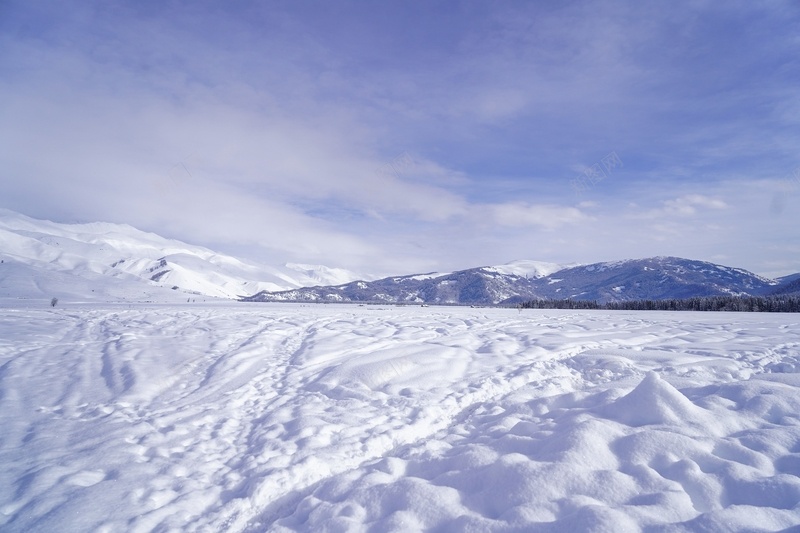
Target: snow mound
654,401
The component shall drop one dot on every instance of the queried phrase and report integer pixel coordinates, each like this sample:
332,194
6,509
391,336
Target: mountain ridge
659,277
100,260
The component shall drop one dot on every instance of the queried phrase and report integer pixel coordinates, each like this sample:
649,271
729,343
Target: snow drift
341,418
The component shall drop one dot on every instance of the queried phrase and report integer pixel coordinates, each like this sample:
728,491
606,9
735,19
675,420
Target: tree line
767,304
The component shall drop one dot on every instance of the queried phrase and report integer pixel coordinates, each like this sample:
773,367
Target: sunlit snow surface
270,417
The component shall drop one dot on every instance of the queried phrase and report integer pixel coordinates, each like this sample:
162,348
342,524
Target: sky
401,137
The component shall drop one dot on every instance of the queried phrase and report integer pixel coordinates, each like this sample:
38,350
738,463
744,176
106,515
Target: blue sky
401,137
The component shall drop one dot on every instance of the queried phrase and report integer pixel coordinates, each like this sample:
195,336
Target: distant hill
788,285
112,261
652,278
473,286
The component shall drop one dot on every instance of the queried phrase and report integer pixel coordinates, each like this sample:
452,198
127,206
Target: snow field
265,417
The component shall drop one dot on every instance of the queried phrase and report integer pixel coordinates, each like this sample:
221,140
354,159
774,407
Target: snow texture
281,417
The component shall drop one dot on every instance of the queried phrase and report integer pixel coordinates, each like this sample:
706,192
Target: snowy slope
123,252
23,284
284,417
528,268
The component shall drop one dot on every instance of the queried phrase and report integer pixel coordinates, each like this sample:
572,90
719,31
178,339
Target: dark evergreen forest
768,304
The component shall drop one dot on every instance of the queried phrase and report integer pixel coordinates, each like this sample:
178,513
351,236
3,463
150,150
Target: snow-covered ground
279,417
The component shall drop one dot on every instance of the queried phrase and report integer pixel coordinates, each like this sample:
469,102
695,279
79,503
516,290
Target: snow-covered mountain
788,285
527,268
102,260
474,286
482,285
652,278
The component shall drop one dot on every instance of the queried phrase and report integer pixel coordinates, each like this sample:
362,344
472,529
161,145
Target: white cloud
684,206
542,216
688,205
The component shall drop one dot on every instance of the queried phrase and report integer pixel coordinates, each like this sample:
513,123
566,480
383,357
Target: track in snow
237,418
